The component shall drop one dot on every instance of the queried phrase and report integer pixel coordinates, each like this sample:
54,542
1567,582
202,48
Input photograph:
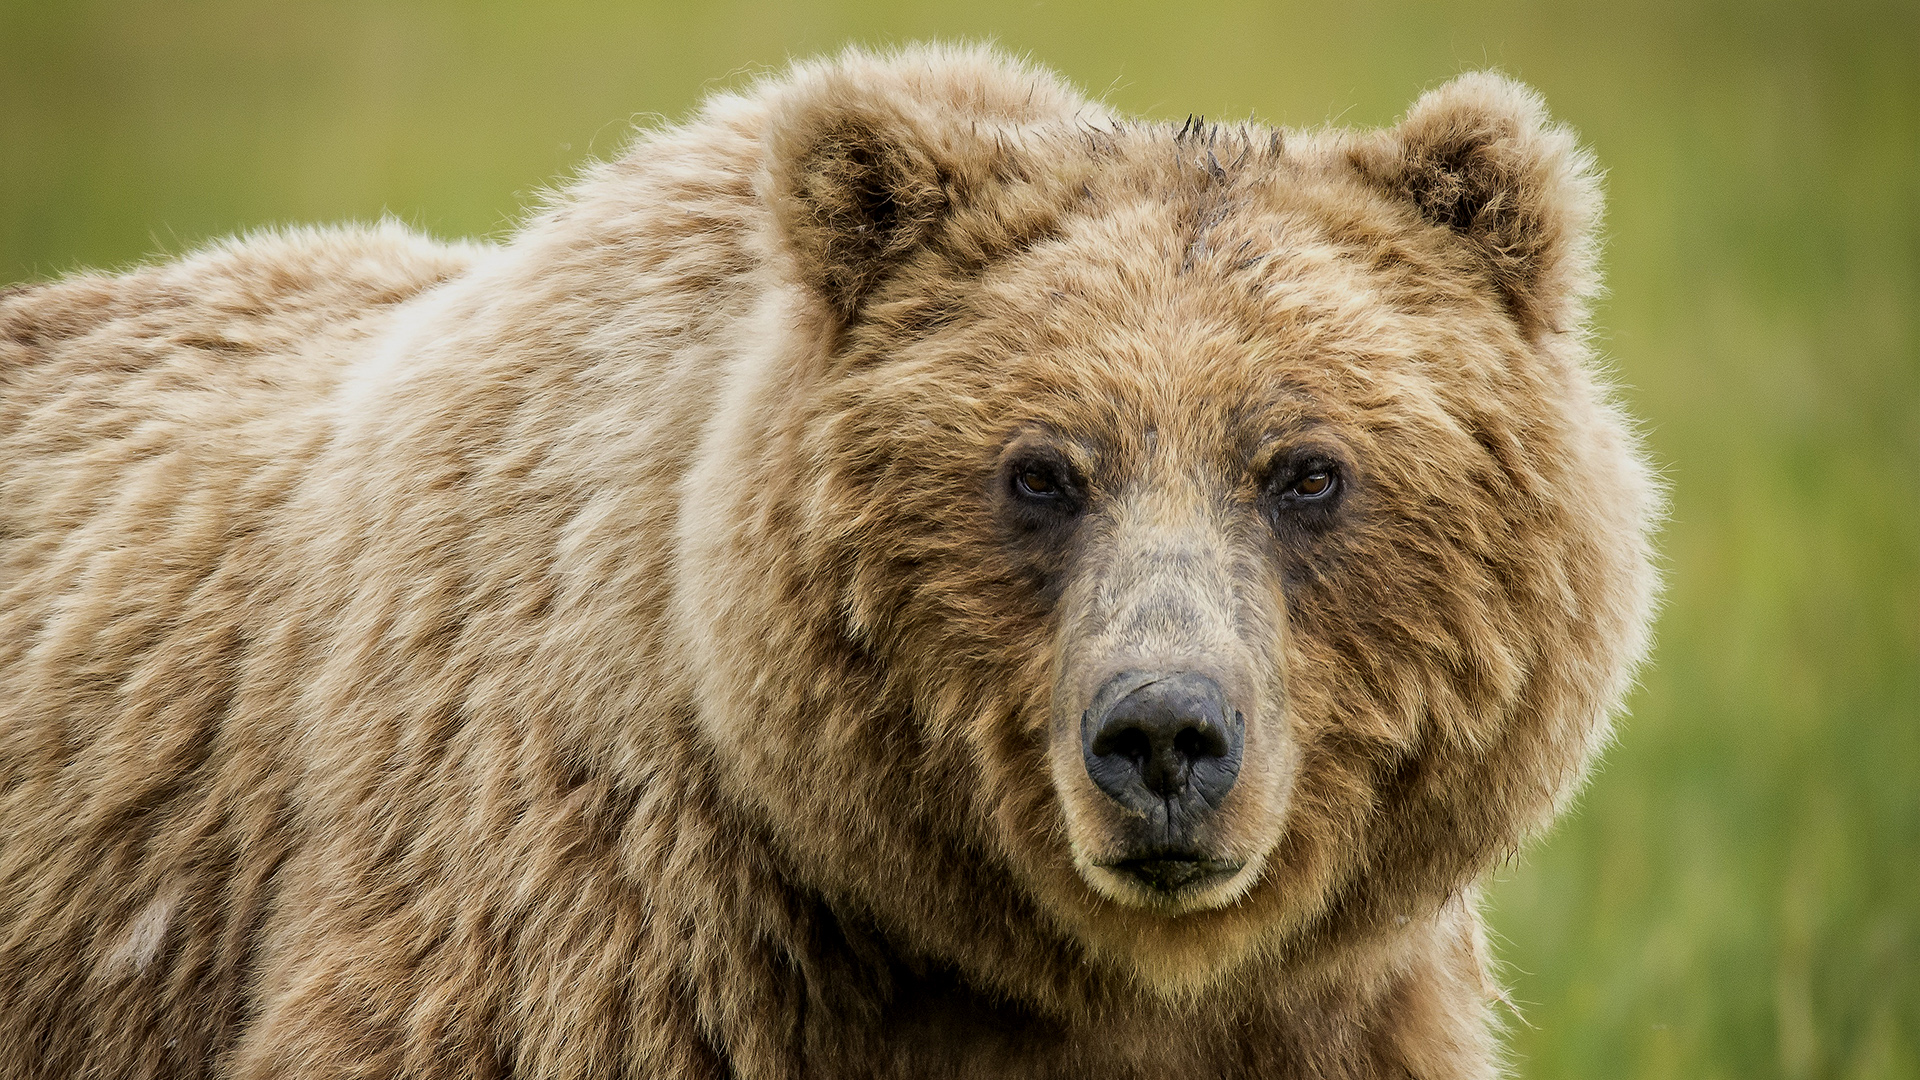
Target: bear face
1191,543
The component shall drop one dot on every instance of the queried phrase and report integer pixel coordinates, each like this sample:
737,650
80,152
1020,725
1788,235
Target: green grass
1738,894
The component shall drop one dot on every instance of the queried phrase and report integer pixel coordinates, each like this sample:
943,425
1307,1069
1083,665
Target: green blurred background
1738,893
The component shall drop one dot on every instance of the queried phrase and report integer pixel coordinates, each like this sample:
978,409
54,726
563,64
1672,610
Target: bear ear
1479,156
869,157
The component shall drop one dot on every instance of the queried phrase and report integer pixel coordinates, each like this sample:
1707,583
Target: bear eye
1307,483
1043,484
1317,484
1036,480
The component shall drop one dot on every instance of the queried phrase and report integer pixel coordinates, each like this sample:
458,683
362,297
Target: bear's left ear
1479,156
871,158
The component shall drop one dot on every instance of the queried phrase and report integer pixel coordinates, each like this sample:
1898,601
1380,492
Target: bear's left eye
1310,486
1303,488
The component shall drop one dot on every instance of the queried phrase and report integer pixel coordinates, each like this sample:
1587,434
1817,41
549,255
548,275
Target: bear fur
621,651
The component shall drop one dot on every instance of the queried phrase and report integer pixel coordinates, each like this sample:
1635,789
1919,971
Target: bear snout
1167,747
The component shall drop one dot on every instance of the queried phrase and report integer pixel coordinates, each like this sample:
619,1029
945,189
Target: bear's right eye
1037,483
1042,483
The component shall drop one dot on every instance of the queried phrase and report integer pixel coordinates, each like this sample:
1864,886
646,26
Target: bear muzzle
1167,747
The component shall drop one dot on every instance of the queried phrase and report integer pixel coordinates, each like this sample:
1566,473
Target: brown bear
905,575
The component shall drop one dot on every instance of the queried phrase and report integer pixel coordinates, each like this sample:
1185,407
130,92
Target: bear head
1144,548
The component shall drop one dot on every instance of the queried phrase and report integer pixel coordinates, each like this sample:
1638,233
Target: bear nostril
1151,739
1130,743
1194,743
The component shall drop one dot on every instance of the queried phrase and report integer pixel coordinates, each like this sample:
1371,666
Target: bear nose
1155,740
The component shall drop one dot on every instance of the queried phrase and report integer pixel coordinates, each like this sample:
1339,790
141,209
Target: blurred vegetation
1738,894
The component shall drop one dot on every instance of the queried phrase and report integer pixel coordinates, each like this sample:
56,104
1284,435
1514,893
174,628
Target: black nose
1163,740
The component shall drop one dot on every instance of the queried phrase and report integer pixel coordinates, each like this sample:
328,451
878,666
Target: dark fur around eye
1040,502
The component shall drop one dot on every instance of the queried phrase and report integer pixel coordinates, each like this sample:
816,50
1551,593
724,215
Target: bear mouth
1174,875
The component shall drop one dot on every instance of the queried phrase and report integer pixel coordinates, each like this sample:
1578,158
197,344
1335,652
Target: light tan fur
612,652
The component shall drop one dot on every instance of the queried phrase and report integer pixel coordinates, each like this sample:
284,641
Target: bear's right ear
869,157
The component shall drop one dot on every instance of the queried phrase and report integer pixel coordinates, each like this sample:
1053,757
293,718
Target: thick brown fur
610,653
